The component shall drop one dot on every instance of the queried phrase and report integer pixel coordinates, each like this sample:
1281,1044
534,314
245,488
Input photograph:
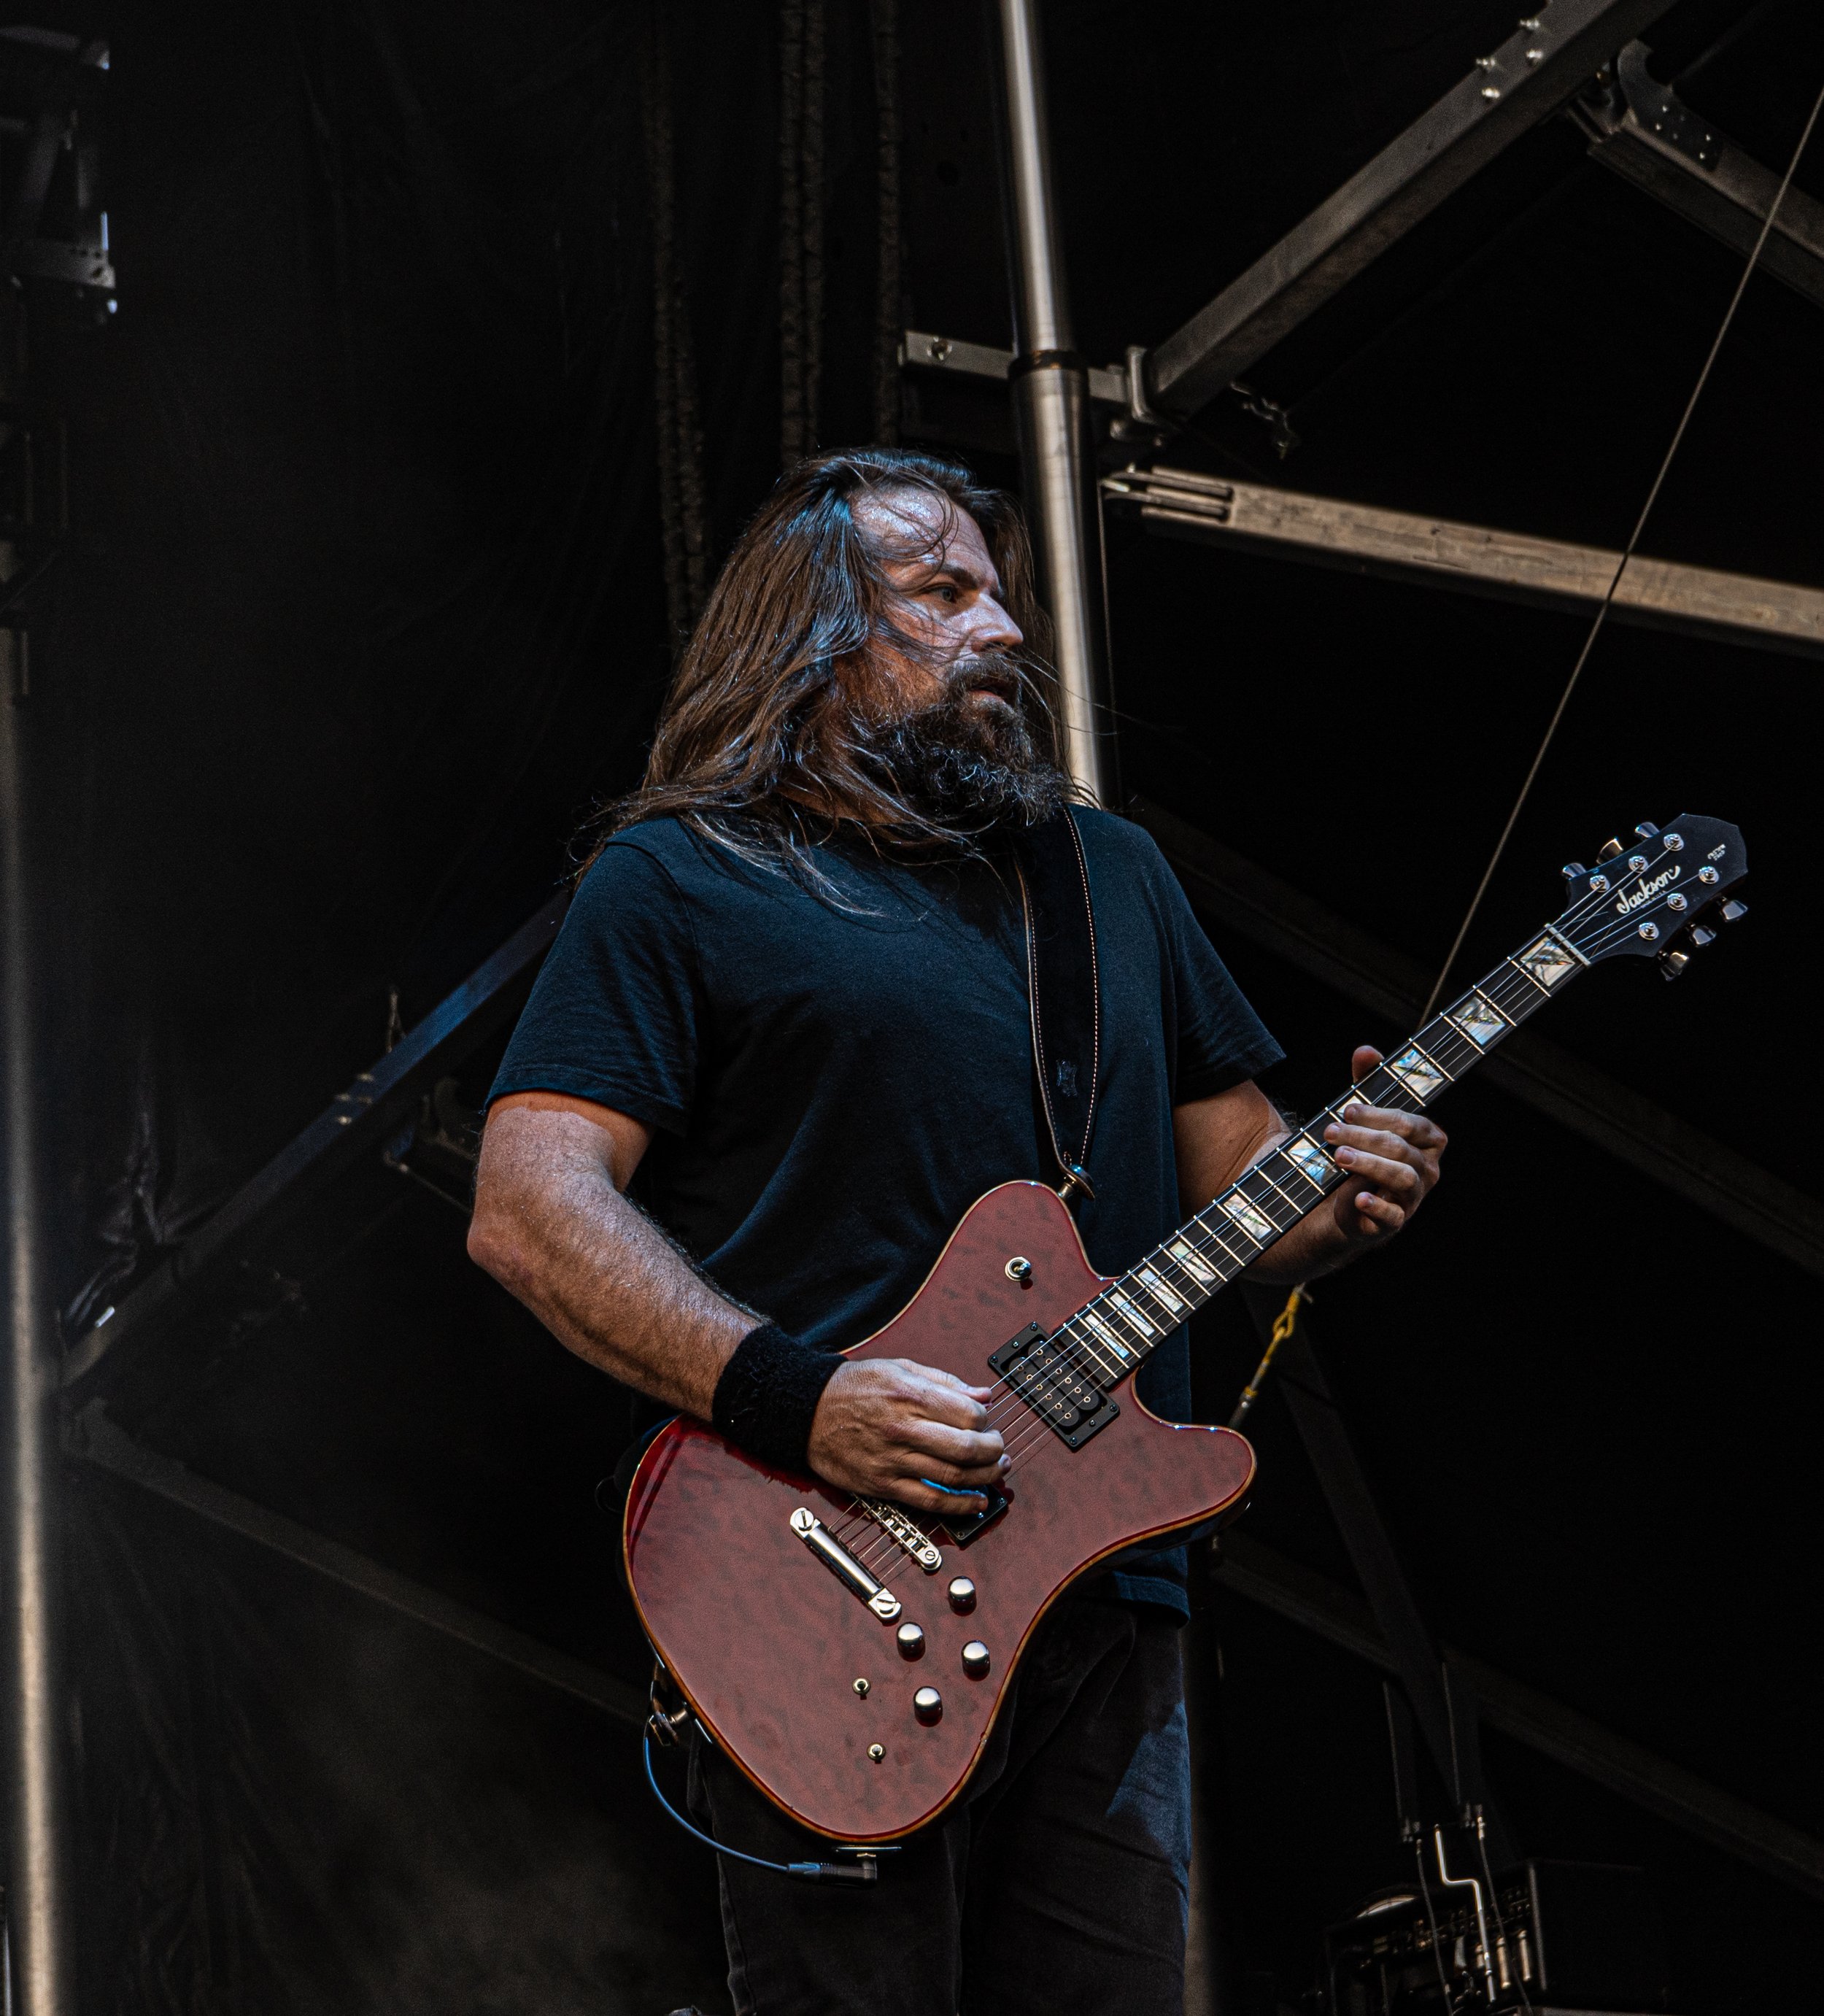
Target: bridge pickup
843,1564
1059,1390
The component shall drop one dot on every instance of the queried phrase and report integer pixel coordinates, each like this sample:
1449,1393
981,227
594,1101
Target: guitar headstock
1662,896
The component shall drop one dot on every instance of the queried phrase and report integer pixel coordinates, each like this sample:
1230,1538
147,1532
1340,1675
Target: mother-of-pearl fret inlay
1191,1260
1479,1019
1258,1227
1416,1071
1107,1338
1546,961
1158,1291
1144,1325
1106,1335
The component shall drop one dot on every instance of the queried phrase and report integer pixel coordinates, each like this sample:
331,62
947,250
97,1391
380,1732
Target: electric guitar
850,1656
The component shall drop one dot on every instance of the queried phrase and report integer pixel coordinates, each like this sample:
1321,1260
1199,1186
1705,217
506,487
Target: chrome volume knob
910,1639
975,1659
928,1705
963,1596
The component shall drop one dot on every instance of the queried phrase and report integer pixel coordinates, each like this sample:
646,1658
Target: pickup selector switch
963,1596
975,1659
910,1639
928,1705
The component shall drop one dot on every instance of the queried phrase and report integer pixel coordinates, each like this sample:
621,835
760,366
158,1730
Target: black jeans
1062,1885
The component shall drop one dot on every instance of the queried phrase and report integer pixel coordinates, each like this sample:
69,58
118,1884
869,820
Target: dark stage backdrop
368,605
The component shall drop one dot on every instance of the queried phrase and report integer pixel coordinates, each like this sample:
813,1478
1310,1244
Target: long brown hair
763,741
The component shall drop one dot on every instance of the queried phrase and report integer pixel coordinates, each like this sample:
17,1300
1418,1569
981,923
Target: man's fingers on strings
1414,1127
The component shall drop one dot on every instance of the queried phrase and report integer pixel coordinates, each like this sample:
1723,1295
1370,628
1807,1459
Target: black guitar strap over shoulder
1064,988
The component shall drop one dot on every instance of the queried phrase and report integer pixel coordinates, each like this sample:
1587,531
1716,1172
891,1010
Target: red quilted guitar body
768,1645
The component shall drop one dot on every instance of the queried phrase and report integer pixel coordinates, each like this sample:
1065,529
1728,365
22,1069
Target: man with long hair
782,1044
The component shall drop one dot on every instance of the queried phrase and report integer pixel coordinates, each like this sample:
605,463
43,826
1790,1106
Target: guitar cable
864,1869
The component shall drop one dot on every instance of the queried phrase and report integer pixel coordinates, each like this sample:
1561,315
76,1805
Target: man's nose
993,629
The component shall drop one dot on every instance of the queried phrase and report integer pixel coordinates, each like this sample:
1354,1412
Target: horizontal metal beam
1528,79
356,1121
1512,567
1588,1102
1641,129
93,1438
1260,1575
920,351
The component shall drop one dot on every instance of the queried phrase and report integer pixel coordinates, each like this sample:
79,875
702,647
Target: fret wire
1162,1259
1089,1344
1241,1265
1286,1155
1154,1264
1263,1205
1216,1251
1137,1293
1450,1076
1241,1225
1112,1316
1260,1170
1544,990
1136,1354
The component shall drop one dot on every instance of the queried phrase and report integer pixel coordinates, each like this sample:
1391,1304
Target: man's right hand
891,1428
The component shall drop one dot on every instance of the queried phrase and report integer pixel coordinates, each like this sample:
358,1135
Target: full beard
966,764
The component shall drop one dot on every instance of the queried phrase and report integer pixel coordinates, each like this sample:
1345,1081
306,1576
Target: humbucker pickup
1062,1395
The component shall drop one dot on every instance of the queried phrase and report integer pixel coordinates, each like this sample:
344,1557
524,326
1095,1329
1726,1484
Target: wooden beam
1400,546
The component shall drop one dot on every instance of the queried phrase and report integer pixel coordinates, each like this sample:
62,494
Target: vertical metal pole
1051,411
38,1931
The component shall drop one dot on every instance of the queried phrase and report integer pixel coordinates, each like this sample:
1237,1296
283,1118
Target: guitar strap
1064,988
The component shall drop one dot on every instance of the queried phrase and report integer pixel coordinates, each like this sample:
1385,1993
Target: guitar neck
1121,1327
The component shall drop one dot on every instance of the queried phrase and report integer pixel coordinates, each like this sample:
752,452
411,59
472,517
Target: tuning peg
1572,869
1733,911
1672,964
1701,934
1608,851
1647,829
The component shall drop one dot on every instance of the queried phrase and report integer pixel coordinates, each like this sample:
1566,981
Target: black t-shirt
832,1082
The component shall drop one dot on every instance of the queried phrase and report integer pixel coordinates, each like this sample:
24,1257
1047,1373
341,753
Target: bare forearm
598,1273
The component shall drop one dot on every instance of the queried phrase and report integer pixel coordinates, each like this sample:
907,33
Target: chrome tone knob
861,1689
877,1751
910,1639
928,1705
975,1659
963,1596
1020,1268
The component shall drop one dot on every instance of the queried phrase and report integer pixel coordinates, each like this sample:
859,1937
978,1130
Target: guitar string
1628,551
1034,1432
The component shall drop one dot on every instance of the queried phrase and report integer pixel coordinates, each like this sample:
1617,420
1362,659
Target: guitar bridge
1062,1395
895,1523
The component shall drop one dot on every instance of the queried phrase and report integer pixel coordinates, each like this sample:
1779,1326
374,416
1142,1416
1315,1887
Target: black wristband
767,1395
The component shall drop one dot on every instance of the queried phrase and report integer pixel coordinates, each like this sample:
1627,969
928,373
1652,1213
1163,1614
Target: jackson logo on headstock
1644,892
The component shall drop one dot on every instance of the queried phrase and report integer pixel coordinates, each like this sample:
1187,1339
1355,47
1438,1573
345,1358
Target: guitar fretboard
1110,1335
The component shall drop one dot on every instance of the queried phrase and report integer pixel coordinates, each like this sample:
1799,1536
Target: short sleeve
1221,1041
614,1013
